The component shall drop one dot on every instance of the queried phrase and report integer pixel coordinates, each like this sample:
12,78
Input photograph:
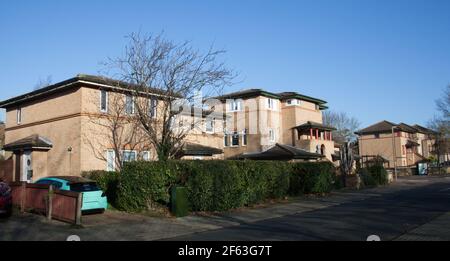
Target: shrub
144,183
366,179
374,176
379,174
107,181
311,177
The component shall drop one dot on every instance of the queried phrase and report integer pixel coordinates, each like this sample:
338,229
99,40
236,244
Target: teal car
94,199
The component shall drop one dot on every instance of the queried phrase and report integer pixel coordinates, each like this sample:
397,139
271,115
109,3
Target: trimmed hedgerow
219,185
311,177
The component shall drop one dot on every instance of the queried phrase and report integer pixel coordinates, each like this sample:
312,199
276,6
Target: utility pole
394,153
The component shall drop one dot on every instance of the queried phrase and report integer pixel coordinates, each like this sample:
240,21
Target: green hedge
311,177
374,176
214,185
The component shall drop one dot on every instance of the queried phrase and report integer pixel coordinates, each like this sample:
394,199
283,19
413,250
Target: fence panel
64,206
36,197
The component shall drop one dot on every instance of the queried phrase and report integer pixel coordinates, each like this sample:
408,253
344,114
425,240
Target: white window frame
106,101
212,121
126,151
272,137
19,115
272,104
113,163
226,138
146,152
153,110
235,105
244,134
132,105
232,138
293,102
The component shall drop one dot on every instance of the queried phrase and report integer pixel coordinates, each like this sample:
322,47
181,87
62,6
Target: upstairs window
129,104
19,115
377,135
103,101
153,107
271,135
235,105
317,107
292,102
271,104
209,125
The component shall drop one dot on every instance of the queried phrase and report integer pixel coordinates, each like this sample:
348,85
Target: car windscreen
84,187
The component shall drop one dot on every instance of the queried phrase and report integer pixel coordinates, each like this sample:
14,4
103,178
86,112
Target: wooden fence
55,204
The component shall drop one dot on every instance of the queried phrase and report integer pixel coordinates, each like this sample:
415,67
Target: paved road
414,208
418,213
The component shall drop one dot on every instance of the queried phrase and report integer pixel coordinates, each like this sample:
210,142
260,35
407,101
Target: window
209,125
129,104
271,135
153,107
377,135
146,155
110,160
271,104
244,137
317,107
19,115
103,101
226,140
235,139
128,156
235,105
292,102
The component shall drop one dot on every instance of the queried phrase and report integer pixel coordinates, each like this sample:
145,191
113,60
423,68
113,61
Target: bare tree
441,124
345,125
42,83
165,71
114,130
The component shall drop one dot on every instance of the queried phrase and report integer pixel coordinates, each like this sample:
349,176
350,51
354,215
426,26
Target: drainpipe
394,153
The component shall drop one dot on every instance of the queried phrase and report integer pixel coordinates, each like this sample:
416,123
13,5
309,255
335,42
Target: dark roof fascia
311,124
303,97
78,81
245,94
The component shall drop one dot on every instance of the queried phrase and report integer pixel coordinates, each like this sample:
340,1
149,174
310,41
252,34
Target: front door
27,171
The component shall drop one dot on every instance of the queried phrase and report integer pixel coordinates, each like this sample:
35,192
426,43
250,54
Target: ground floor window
235,139
128,156
110,160
146,155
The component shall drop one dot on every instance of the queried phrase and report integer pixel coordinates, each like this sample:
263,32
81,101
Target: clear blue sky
373,59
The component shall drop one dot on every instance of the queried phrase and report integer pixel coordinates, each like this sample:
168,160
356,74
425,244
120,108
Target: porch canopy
315,129
280,152
33,142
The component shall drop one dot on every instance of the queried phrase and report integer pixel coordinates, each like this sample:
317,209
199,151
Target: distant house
406,144
266,125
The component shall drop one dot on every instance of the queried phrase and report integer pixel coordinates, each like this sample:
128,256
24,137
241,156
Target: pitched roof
280,152
380,127
386,127
314,125
77,81
31,142
423,130
250,93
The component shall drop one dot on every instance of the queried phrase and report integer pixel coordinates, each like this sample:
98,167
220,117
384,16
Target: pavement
414,208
